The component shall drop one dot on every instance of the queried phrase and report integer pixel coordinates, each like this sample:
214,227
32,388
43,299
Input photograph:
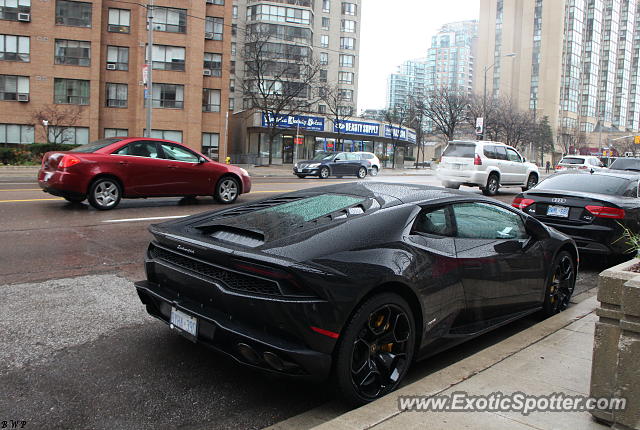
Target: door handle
123,163
172,166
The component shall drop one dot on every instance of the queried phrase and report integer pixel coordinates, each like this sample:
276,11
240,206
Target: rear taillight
522,203
583,167
559,167
477,161
68,161
605,211
288,283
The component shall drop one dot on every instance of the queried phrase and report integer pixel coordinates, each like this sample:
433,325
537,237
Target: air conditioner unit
111,66
26,17
23,97
206,72
208,35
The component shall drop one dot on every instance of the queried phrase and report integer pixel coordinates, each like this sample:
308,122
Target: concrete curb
387,407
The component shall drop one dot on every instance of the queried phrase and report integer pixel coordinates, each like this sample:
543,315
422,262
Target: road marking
28,200
144,219
23,189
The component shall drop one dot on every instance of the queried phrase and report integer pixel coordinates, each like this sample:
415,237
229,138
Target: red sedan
107,170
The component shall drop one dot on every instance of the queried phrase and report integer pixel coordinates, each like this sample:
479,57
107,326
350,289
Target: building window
213,63
73,52
347,43
70,91
233,48
345,110
349,9
210,145
117,58
325,23
170,96
348,26
345,95
232,104
13,87
346,60
326,5
323,75
234,11
210,100
218,2
9,9
115,132
69,135
119,20
232,85
278,14
345,77
170,19
73,13
117,95
175,135
213,28
14,48
16,133
324,59
322,109
324,41
166,57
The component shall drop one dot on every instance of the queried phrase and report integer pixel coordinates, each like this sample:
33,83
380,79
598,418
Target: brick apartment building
91,54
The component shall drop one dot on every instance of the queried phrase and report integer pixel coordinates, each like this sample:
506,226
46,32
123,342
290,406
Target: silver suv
485,164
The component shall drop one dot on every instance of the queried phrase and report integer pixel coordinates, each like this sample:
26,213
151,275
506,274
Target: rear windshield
467,150
572,160
314,207
587,183
626,164
96,145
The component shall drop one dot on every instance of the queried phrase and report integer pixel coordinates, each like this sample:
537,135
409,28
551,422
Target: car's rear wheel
493,185
532,181
227,190
560,284
362,172
374,171
104,194
324,172
376,349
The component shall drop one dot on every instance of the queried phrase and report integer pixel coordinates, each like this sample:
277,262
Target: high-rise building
91,54
576,61
409,80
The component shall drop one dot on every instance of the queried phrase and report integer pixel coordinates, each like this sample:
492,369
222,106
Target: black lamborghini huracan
353,281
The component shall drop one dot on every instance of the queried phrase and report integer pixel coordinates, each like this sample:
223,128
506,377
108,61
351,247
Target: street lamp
484,92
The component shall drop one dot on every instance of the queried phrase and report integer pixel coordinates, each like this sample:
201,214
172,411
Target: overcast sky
399,30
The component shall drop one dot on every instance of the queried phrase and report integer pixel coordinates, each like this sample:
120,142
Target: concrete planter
616,350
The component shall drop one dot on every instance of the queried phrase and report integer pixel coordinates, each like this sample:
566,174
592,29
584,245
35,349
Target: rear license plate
560,211
184,322
455,166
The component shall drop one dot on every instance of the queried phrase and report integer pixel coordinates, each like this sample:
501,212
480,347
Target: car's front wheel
532,181
376,349
227,190
560,285
324,172
374,171
104,194
362,172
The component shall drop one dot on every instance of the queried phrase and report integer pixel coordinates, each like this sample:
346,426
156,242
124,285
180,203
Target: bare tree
475,109
515,127
416,121
55,120
278,78
396,118
334,98
447,110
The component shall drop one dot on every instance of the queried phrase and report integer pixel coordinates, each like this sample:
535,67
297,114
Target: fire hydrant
228,160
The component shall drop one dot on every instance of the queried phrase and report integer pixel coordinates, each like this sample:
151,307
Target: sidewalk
553,356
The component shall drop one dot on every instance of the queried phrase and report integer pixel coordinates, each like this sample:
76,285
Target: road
79,350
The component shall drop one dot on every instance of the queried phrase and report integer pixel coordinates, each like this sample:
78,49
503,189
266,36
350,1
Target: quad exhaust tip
248,353
273,361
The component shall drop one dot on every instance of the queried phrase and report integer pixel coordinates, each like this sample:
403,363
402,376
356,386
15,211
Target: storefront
300,137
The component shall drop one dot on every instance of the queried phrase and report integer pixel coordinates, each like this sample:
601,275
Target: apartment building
91,54
575,61
409,80
451,57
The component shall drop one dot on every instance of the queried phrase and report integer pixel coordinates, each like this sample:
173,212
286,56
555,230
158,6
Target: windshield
466,150
572,160
626,164
587,183
324,156
96,145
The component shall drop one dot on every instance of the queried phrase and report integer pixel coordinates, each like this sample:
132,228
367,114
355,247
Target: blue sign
400,133
312,123
357,127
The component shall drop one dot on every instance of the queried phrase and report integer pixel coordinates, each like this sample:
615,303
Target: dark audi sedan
325,164
353,281
594,209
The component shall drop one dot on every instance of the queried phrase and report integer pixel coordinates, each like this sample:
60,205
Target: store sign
393,132
313,123
357,127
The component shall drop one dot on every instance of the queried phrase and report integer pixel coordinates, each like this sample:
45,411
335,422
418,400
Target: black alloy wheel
376,349
493,184
532,181
362,172
324,172
561,284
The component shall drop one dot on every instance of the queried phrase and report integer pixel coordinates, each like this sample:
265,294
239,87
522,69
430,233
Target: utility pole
148,90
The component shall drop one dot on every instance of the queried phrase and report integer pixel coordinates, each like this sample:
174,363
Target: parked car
107,170
484,164
626,163
580,162
328,163
591,208
355,280
376,166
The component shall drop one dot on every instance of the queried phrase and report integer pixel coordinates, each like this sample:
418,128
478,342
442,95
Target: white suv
373,160
580,162
484,164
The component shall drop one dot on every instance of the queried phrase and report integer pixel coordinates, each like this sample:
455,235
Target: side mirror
337,159
202,160
535,228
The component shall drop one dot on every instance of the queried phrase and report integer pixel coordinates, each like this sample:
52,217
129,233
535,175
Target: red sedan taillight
605,212
477,161
522,203
68,161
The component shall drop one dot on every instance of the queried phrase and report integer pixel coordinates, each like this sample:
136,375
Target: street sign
145,74
479,125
